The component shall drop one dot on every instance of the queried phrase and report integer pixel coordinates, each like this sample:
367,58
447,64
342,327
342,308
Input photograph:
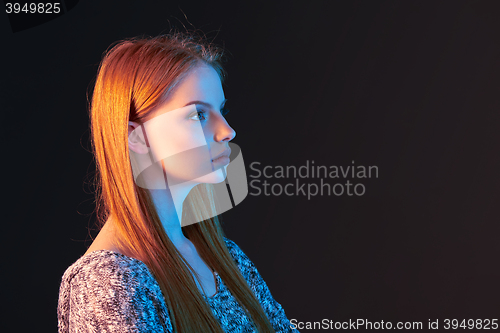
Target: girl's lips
223,160
226,153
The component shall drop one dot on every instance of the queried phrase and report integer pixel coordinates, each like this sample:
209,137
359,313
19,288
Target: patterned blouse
106,291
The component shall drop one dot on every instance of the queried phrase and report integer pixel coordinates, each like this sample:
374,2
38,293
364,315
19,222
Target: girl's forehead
202,82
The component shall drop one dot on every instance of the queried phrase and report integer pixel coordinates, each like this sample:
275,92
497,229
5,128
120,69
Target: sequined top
106,291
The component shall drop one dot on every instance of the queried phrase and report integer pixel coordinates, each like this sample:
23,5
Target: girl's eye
200,115
224,111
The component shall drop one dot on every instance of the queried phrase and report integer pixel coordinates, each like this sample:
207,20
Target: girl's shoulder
234,250
243,262
116,269
231,246
105,265
110,290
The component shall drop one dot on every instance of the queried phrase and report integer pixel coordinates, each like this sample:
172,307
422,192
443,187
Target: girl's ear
136,140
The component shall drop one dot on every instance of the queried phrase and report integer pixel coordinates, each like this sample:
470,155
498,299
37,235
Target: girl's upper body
106,291
161,144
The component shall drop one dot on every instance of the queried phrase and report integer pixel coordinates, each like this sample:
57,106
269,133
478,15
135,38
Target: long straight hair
135,76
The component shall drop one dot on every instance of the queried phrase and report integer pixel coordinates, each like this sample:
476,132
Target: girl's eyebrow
206,104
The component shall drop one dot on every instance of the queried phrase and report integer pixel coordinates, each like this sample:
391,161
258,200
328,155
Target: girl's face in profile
187,133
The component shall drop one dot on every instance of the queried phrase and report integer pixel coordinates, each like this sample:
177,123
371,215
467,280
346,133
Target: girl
157,126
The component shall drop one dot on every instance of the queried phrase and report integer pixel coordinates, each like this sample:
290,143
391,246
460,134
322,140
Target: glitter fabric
106,291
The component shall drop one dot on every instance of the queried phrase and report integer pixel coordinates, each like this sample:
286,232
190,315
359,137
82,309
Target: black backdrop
410,87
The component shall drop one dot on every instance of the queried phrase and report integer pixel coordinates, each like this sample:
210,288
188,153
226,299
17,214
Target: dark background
411,87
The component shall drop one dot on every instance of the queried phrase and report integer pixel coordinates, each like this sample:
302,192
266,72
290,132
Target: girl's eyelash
200,113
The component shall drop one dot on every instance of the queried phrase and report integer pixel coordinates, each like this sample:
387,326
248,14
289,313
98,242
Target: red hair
134,77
